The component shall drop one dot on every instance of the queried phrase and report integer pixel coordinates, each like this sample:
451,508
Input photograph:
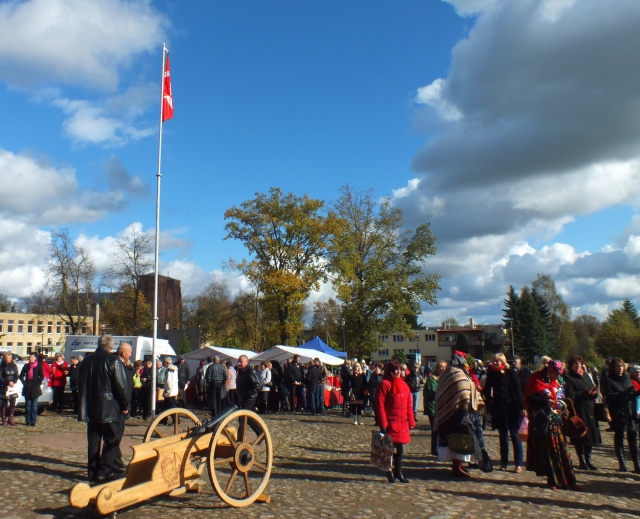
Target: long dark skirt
549,456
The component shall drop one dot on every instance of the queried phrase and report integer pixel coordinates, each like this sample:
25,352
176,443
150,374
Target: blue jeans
415,402
317,404
503,435
31,410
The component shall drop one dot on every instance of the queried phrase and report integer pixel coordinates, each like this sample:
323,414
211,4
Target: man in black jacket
216,377
74,373
184,376
294,383
103,401
522,373
315,385
247,388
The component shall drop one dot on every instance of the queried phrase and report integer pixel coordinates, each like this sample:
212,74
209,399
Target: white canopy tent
282,353
193,358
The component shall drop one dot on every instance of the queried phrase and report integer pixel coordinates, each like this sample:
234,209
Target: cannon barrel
211,425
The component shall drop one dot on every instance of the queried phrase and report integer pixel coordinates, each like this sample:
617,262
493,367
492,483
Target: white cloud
432,95
77,42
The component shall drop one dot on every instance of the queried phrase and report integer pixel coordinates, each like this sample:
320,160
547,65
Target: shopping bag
523,432
381,450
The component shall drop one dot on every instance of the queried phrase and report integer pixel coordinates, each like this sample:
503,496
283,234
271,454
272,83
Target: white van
142,347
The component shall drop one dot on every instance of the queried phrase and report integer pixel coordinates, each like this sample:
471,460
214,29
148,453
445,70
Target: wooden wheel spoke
246,483
229,437
259,465
221,461
244,429
258,440
157,431
231,480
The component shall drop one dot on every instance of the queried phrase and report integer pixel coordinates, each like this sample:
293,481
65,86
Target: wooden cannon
235,447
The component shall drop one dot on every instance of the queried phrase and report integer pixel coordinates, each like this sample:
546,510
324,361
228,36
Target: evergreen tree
546,327
631,311
184,347
511,315
531,341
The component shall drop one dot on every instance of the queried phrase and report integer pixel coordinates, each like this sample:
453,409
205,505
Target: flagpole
155,283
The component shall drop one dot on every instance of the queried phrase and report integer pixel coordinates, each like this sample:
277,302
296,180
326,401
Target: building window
398,338
67,329
50,327
30,327
58,328
383,338
29,348
21,327
429,337
414,351
383,353
10,326
1,326
40,328
19,348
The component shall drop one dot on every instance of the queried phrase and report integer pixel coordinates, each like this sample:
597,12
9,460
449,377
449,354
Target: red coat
395,411
58,375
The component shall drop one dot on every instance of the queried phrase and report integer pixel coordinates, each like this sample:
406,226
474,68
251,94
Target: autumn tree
117,309
327,317
619,337
5,303
250,325
286,236
131,259
210,311
70,272
586,328
377,268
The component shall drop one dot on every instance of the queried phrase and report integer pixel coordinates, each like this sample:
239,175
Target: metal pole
344,344
513,347
155,277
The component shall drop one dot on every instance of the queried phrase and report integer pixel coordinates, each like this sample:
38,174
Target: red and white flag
167,97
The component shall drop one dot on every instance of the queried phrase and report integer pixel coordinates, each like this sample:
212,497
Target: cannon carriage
235,447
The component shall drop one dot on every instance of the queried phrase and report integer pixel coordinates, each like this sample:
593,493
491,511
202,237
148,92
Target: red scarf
502,367
32,367
636,384
396,384
537,385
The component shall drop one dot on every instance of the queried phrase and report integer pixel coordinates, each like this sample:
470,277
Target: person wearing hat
522,372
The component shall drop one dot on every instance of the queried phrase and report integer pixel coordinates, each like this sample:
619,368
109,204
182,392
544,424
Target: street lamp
513,348
344,344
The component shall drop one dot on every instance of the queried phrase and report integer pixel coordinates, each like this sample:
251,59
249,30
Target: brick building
169,299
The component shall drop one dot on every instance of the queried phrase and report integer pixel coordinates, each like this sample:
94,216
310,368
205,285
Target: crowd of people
535,415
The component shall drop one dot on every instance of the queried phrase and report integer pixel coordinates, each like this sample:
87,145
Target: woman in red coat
59,372
394,409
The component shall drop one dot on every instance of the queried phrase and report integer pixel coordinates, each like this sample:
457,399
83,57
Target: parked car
43,401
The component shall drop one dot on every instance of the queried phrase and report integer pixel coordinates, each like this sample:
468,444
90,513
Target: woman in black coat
581,389
358,383
8,379
503,394
31,377
620,396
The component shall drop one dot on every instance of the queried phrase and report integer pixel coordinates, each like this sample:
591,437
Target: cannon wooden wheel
240,459
183,419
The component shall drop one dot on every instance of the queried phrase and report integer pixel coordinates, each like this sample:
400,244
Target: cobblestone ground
321,469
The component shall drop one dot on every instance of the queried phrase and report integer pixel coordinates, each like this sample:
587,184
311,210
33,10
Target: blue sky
511,126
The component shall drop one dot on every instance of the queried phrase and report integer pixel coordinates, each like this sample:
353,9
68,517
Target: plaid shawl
456,393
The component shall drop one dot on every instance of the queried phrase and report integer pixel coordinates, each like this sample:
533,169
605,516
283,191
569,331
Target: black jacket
31,388
184,374
415,382
504,396
294,374
74,373
523,374
374,382
358,384
620,396
577,388
216,373
8,373
247,384
102,388
314,376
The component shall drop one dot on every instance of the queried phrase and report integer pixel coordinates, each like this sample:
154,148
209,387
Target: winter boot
397,468
4,415
587,458
457,470
390,477
580,453
11,411
619,448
